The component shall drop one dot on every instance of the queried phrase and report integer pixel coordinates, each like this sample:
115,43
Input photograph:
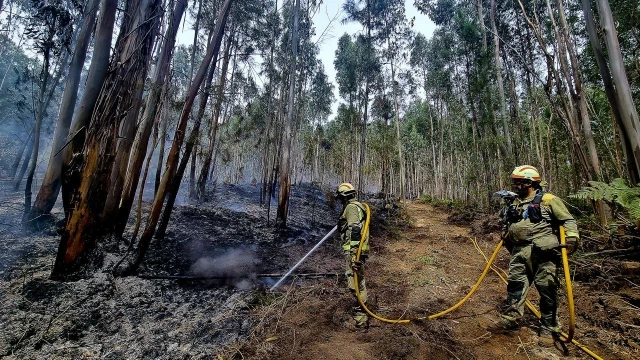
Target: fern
616,193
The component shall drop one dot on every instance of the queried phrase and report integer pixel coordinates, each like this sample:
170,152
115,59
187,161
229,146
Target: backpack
534,211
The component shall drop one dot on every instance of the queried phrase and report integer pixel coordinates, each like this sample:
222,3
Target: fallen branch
617,251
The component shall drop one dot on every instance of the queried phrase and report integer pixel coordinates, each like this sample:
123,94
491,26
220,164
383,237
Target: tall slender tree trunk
162,135
630,123
36,134
398,138
25,163
127,71
48,194
498,69
632,168
172,159
285,159
174,186
71,155
204,172
158,86
19,155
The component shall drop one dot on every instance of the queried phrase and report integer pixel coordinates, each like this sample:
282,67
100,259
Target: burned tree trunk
126,75
172,159
285,160
174,186
204,172
71,155
146,124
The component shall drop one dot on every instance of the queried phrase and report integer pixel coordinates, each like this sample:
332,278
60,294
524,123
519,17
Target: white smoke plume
238,267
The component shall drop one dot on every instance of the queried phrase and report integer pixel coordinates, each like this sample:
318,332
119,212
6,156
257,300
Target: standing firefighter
351,226
532,220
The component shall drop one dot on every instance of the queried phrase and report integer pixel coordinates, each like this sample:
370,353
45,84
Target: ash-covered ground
108,317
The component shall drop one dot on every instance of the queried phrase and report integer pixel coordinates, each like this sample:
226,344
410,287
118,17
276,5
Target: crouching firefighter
532,220
351,225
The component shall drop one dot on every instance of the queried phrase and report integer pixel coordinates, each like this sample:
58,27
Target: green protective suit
351,226
535,257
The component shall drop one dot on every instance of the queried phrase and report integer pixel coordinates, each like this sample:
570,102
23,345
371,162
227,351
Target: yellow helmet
345,190
527,172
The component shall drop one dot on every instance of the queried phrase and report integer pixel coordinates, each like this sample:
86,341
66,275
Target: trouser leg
518,282
359,314
546,281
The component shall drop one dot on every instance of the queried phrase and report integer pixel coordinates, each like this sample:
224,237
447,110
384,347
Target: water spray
303,258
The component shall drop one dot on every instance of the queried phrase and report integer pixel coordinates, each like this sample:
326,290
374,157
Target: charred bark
285,160
72,153
126,74
150,112
172,158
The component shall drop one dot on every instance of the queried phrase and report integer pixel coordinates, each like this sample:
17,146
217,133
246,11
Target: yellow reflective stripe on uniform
571,234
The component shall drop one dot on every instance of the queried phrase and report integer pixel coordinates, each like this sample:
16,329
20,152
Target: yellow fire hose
567,337
567,277
406,321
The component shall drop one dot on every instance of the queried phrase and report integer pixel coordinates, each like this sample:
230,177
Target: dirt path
424,270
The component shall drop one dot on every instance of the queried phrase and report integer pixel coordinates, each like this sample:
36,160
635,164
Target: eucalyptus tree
172,159
72,153
616,83
117,104
243,39
320,99
273,27
366,12
50,26
122,200
346,64
50,187
395,30
285,160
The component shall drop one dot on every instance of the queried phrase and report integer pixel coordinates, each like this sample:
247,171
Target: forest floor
420,263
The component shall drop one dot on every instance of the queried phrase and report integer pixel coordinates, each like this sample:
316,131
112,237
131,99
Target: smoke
236,267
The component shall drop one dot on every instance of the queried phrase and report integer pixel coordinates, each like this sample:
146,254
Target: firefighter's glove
571,244
356,265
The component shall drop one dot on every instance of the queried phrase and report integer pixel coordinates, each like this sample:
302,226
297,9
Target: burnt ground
419,265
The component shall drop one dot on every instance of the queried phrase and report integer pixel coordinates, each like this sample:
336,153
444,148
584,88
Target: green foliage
448,204
50,25
427,259
617,193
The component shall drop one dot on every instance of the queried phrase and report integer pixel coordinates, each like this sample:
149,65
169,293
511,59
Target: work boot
546,339
355,327
503,326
